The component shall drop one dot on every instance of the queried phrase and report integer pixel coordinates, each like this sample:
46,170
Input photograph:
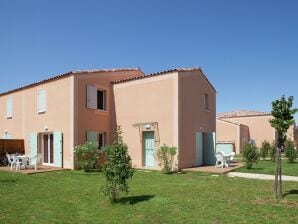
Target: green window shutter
91,97
199,149
210,149
58,149
33,144
9,108
41,101
92,136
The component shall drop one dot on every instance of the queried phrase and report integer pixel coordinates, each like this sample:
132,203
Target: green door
148,137
209,145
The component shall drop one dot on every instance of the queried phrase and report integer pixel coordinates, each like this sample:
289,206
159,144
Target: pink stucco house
239,127
175,107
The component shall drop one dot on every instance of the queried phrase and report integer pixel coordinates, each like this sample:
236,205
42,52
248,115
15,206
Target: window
206,101
96,98
101,140
41,101
98,138
101,104
9,108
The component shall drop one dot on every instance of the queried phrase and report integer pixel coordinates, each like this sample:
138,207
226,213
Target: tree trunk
280,180
276,174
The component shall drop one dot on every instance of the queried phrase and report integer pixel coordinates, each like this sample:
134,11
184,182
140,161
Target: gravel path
261,176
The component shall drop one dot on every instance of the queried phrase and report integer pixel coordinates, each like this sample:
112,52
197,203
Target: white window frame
9,108
44,109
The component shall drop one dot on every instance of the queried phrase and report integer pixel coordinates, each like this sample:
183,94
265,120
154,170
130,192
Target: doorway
48,149
148,144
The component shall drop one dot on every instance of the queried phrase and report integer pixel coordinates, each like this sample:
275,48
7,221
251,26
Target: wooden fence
12,146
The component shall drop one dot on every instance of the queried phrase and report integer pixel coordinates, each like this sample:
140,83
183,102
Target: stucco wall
193,117
96,120
259,127
228,132
147,100
57,117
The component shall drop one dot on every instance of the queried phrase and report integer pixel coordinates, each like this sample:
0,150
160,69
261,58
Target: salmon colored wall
96,120
193,117
259,127
57,117
227,132
146,100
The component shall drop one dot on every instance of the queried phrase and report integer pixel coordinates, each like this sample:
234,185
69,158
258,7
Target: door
199,149
48,149
148,138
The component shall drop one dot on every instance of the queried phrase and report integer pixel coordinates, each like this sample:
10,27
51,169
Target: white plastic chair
232,156
33,162
21,163
220,161
12,160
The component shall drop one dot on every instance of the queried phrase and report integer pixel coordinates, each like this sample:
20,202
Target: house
174,107
240,127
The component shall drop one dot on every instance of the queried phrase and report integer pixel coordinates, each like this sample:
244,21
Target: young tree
117,169
283,113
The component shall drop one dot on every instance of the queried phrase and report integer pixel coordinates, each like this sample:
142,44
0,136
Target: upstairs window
9,108
41,101
96,98
101,100
206,102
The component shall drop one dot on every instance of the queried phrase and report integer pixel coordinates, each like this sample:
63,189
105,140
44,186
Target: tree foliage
165,155
283,117
117,168
265,149
250,154
86,155
290,151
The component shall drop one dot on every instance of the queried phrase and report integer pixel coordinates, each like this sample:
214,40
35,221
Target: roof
242,113
232,123
67,74
164,73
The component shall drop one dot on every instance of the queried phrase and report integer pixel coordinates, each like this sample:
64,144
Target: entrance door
48,149
148,138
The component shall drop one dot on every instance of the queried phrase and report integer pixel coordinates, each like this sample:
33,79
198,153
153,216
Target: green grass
268,167
75,197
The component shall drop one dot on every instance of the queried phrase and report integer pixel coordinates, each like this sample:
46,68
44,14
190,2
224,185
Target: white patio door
48,149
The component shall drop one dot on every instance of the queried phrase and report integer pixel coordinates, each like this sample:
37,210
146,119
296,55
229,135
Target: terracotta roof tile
64,75
242,113
164,73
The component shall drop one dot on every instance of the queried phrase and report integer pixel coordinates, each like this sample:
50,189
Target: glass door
48,149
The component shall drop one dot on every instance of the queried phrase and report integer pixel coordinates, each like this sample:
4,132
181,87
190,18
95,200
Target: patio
40,169
212,169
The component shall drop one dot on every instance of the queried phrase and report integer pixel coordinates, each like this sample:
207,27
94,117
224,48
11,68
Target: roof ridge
66,74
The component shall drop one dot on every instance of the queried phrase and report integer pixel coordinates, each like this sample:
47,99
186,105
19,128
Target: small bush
290,151
265,149
272,151
165,155
250,154
86,155
117,168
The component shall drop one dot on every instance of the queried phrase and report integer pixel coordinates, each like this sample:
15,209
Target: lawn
268,167
74,197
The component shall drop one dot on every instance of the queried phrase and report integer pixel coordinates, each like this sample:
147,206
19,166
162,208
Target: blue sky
248,49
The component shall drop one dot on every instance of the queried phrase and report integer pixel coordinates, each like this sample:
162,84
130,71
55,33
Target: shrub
272,151
117,168
290,151
265,149
165,155
86,155
250,154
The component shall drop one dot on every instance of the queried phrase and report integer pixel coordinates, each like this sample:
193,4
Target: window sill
9,118
41,112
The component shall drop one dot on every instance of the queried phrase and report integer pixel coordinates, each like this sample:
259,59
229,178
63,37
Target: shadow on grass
8,181
290,193
135,199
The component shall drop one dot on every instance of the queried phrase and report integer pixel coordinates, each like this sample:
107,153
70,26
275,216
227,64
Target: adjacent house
174,107
240,127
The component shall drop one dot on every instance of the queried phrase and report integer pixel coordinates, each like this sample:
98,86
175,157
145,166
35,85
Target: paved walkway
213,169
261,176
